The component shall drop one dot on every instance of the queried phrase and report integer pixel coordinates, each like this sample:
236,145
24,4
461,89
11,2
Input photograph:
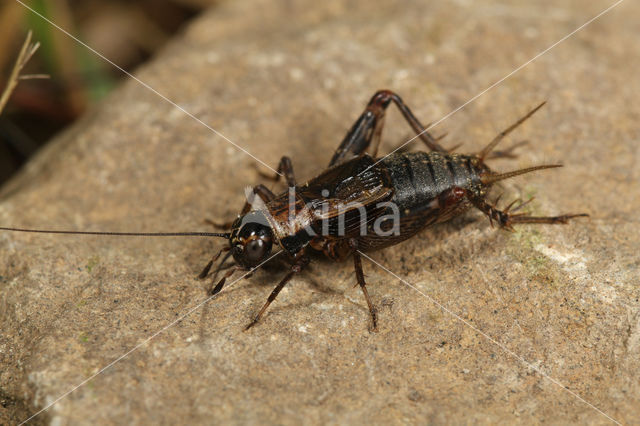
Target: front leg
215,257
295,269
260,190
218,287
285,167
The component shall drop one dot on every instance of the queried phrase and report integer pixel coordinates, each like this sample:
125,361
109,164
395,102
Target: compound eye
255,250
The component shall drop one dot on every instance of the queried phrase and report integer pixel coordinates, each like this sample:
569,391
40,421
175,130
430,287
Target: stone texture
289,78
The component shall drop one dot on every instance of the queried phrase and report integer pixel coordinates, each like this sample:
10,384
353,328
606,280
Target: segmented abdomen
418,179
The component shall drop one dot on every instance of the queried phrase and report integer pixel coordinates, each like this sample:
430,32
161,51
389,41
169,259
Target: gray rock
288,78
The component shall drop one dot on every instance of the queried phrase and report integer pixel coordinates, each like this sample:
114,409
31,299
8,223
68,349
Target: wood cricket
360,202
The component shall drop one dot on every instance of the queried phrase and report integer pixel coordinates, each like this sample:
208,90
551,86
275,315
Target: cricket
359,203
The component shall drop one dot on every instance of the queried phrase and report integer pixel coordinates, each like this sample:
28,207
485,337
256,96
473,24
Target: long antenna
125,234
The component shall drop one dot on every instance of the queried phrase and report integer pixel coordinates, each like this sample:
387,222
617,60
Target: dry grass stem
27,51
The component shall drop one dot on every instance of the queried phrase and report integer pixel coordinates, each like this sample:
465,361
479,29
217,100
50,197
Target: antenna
124,234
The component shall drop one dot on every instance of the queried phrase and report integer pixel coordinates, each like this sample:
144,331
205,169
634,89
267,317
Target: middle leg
357,264
295,269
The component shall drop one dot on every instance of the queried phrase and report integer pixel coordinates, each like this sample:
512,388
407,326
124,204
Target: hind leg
366,131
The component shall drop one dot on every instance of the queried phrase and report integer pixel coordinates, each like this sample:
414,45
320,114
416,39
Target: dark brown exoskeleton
361,203
351,206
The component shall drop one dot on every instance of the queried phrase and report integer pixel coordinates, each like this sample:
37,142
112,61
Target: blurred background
128,32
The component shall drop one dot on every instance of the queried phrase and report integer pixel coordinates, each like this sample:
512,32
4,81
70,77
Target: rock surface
551,321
